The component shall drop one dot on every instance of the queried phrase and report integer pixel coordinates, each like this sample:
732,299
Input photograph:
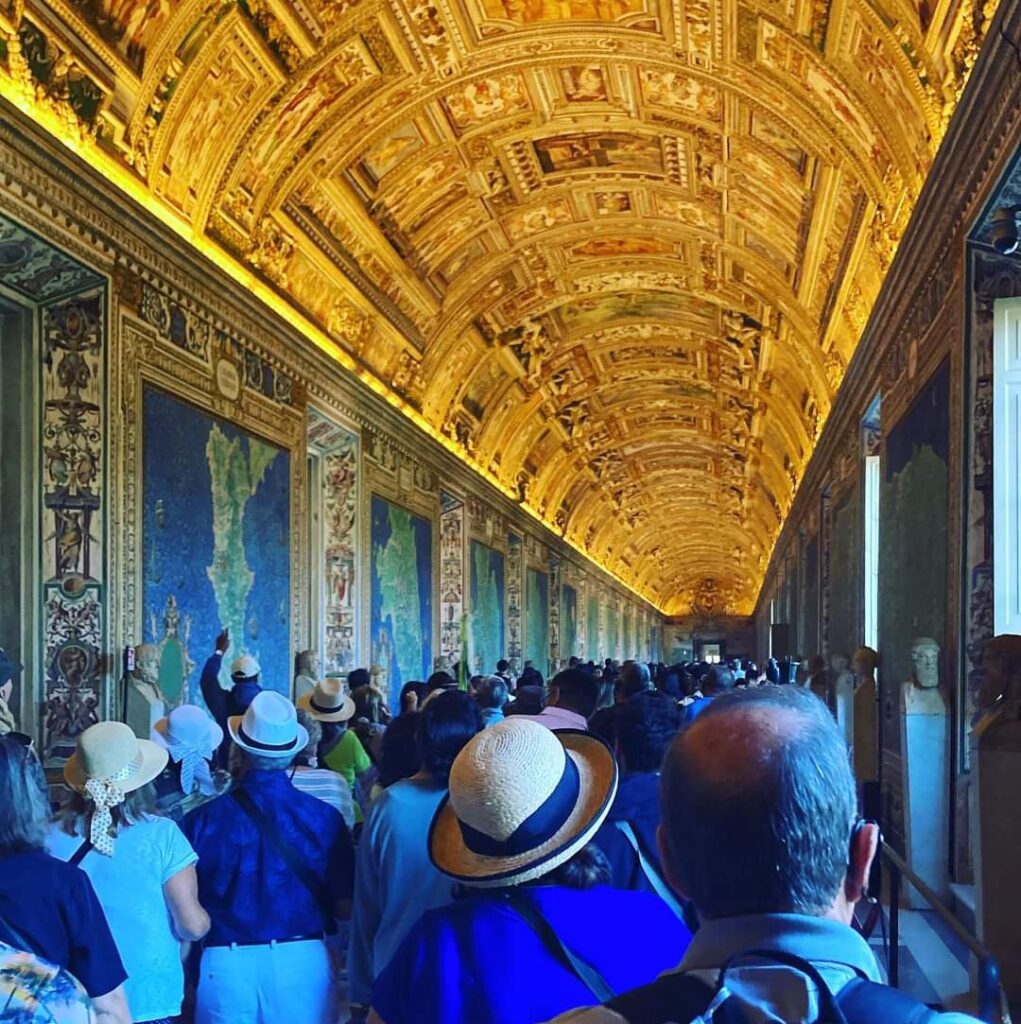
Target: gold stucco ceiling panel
619,251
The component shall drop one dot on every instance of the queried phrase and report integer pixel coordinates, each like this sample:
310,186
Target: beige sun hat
111,761
522,801
328,702
244,667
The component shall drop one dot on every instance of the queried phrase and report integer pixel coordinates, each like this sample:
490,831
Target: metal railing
990,1005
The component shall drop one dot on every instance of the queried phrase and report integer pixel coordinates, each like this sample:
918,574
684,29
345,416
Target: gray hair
315,734
260,763
759,804
492,692
24,802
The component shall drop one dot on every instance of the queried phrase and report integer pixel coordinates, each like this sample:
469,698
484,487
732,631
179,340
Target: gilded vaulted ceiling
619,252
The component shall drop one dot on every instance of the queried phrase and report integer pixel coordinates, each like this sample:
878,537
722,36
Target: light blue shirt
395,882
129,886
772,992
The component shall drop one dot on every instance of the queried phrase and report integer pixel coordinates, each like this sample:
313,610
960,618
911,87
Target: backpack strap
269,831
81,853
865,1002
671,998
649,869
591,978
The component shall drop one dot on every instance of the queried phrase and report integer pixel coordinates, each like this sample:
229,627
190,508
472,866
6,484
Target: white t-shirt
129,886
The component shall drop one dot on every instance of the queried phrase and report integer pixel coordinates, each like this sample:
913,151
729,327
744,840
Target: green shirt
348,758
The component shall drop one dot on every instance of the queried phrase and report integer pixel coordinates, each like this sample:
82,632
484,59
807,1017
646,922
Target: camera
1003,230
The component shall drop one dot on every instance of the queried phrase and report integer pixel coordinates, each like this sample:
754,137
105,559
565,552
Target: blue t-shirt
129,885
248,889
55,908
453,966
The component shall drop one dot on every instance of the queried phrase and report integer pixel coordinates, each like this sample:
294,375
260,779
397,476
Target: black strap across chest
269,831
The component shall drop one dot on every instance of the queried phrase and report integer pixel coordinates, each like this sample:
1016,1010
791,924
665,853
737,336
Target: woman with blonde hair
141,865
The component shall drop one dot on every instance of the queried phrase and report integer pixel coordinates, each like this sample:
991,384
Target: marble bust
145,703
921,696
306,672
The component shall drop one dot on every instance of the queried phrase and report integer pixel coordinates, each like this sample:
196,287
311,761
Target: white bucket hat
522,801
269,727
245,667
191,737
328,702
109,762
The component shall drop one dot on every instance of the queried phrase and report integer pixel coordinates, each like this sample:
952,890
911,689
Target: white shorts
279,983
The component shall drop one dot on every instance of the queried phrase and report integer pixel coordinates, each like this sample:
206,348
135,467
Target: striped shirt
327,786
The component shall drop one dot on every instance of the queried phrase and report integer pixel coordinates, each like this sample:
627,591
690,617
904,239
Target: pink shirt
560,718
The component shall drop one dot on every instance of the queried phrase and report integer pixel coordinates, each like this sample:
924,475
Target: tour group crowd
623,844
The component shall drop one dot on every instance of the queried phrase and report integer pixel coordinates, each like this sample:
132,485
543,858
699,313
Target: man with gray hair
760,831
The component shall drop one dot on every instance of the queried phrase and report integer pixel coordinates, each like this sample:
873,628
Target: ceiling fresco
619,252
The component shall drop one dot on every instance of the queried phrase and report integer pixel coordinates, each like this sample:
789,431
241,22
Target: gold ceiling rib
616,253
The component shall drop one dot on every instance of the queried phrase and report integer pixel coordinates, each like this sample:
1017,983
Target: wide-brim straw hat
269,727
187,726
328,702
522,801
111,751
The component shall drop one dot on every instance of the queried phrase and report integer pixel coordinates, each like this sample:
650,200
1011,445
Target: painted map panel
537,619
612,650
592,628
626,636
568,622
216,536
487,599
401,599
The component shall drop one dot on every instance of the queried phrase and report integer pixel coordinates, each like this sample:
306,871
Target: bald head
759,805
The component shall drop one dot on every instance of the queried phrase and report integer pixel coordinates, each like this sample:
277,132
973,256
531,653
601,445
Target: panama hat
327,702
522,801
269,727
109,762
245,667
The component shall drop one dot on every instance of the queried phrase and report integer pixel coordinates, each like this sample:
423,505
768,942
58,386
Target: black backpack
683,998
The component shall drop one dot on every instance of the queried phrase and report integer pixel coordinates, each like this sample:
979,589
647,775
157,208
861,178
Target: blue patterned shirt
247,887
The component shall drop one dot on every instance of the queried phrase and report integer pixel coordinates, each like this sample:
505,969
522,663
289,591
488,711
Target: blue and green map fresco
626,635
537,619
486,594
611,633
592,629
401,614
216,536
568,621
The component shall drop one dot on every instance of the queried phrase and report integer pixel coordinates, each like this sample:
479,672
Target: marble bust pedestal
925,742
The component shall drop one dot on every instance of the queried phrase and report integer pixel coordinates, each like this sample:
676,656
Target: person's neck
423,775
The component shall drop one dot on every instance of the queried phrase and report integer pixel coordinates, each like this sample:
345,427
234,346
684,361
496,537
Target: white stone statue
921,695
843,697
306,672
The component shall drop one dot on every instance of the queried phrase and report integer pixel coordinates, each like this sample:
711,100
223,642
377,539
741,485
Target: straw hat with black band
328,702
109,763
522,801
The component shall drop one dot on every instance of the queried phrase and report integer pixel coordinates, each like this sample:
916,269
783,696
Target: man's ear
864,847
673,879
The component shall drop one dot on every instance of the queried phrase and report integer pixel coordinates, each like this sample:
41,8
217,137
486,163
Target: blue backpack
685,999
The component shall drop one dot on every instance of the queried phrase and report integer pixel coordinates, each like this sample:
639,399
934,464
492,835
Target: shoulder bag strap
267,827
81,853
584,972
649,869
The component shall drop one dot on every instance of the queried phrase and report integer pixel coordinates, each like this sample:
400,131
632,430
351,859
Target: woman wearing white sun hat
524,804
141,866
